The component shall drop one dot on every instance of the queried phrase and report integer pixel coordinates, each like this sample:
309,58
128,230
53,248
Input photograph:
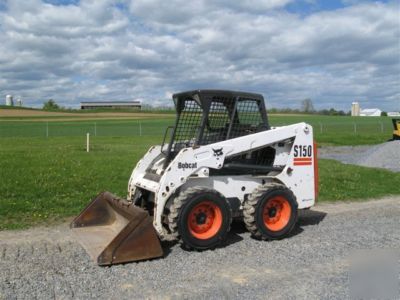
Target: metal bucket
113,230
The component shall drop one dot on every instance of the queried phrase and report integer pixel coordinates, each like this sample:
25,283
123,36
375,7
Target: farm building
370,112
355,109
9,100
111,104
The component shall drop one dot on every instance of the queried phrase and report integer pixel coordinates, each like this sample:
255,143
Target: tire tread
180,200
250,207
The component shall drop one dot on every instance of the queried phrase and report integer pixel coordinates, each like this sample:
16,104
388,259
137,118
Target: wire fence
348,127
157,127
59,129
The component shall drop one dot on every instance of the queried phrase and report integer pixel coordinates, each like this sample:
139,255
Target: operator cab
209,116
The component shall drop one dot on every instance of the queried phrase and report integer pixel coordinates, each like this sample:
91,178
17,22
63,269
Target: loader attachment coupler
113,230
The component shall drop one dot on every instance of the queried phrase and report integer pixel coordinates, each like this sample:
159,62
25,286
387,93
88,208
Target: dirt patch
89,116
62,119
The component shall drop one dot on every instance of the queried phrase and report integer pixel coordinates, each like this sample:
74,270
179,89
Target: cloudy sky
331,51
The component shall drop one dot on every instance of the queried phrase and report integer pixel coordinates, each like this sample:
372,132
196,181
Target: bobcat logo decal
218,152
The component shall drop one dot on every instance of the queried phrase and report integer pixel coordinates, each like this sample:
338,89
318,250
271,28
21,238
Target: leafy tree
307,106
384,114
50,105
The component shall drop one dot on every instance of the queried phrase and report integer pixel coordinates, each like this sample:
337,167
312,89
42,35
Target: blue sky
305,7
333,52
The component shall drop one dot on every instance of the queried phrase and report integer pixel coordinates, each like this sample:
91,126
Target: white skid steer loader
222,161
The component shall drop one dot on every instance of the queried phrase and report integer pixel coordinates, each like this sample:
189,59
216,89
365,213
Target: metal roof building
111,104
370,112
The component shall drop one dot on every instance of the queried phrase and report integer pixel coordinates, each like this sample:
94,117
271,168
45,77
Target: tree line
306,107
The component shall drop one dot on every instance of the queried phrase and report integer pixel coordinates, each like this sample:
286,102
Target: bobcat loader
221,160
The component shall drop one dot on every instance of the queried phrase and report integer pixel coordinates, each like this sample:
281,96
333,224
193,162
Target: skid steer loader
396,129
221,160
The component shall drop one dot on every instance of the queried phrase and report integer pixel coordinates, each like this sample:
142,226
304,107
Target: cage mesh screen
248,118
217,124
188,125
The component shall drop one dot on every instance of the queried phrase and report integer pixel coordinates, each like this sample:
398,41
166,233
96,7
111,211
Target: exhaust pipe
114,230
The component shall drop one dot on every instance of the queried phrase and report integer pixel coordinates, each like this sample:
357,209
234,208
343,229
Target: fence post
381,127
320,127
95,129
47,129
140,128
355,128
87,142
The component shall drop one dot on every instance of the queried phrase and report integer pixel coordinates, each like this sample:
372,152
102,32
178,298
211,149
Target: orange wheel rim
276,213
204,220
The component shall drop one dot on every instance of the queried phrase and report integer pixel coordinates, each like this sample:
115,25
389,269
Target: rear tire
270,212
201,216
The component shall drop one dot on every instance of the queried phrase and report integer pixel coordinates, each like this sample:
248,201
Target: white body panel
190,167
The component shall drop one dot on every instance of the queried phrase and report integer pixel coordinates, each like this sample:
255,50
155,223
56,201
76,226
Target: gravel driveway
47,263
385,155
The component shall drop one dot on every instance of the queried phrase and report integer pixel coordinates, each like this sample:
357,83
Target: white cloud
120,50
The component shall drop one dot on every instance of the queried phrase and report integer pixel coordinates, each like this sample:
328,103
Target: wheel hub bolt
272,212
201,218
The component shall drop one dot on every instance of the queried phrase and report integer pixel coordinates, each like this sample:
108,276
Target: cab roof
205,97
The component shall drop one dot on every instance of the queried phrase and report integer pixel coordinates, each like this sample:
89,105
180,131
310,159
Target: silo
355,109
9,100
19,102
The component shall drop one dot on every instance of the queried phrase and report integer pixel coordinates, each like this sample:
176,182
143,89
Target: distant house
111,104
393,114
370,112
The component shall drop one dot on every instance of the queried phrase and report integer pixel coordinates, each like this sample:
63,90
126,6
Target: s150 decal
302,155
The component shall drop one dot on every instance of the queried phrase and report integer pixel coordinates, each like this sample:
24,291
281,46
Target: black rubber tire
254,206
180,210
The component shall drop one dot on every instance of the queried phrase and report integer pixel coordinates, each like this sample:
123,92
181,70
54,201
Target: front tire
201,216
270,212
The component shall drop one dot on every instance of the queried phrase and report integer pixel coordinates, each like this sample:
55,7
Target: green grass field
45,180
327,129
48,179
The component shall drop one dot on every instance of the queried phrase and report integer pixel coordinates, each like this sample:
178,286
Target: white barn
370,112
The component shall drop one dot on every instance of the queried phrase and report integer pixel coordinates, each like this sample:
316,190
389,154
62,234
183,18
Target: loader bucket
113,230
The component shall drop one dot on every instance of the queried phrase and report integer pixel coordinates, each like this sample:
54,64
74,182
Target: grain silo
355,109
9,100
19,102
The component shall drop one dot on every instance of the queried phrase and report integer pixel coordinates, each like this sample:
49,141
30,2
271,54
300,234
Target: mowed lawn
332,130
45,180
48,179
343,130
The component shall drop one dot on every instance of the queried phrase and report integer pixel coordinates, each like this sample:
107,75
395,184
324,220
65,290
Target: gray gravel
46,263
386,155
